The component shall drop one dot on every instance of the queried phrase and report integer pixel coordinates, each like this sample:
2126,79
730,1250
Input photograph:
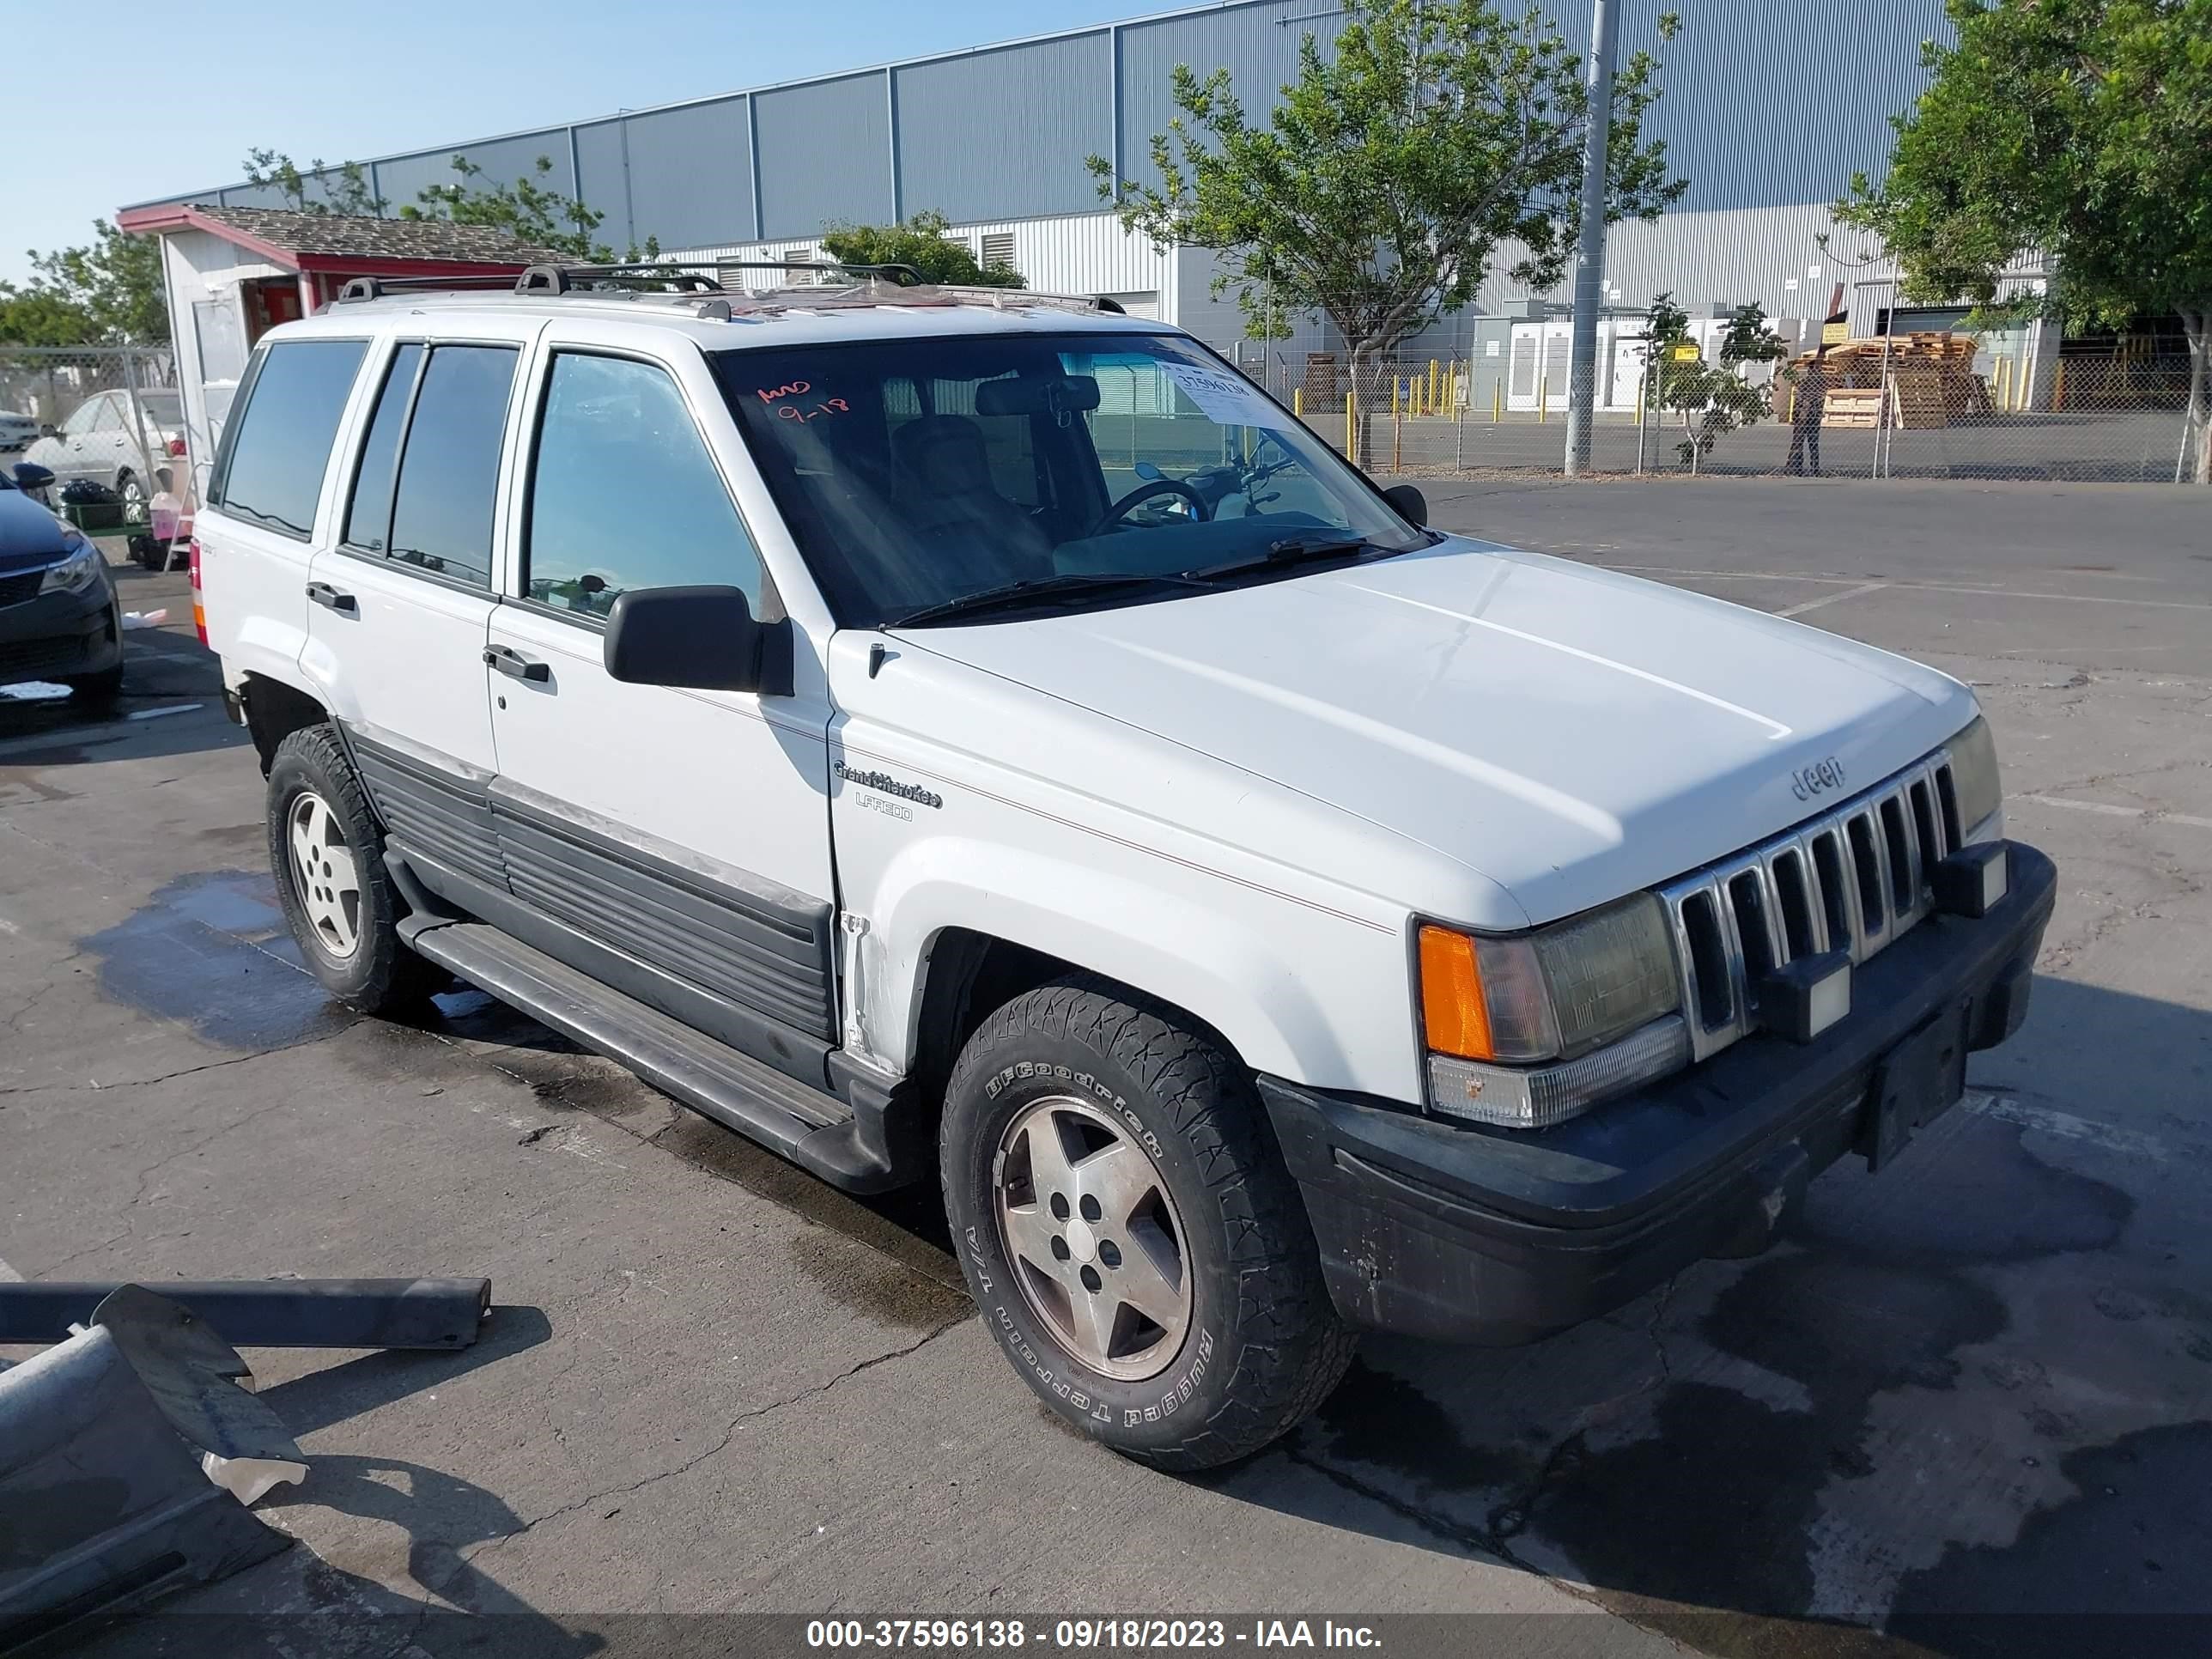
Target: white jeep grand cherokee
981,737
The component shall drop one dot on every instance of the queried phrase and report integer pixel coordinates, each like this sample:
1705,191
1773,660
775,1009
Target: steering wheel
1145,491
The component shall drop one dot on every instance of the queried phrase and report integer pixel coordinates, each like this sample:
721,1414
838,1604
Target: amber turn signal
1456,1018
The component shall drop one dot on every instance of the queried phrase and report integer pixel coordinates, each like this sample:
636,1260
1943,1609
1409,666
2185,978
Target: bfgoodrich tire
327,854
1128,1230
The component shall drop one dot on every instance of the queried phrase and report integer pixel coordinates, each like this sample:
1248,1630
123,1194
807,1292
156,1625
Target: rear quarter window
276,450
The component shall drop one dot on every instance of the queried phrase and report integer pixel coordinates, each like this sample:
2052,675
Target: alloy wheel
324,875
1094,1238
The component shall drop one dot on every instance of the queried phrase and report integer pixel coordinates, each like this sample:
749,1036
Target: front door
397,630
673,843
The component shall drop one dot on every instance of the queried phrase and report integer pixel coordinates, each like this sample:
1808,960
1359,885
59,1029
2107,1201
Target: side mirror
48,429
1148,472
703,638
29,475
1412,506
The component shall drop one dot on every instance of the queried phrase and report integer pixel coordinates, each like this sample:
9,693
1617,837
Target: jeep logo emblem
1818,780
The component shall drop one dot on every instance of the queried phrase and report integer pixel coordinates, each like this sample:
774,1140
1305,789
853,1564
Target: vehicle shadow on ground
1965,1409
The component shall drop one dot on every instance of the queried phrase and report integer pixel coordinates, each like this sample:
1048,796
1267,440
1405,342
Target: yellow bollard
2058,387
1497,401
1543,398
1352,426
1298,401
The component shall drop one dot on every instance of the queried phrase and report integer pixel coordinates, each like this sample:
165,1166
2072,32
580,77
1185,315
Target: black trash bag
88,492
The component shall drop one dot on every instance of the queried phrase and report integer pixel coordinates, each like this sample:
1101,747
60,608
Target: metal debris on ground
128,1449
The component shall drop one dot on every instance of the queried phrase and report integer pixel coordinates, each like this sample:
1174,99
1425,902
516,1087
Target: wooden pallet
1919,400
1852,406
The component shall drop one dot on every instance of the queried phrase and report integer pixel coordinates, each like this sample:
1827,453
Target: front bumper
1462,1233
59,635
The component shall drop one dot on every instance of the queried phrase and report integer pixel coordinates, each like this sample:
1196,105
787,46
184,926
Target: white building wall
203,274
1077,253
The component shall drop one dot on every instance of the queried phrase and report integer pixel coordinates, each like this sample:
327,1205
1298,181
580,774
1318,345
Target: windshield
917,473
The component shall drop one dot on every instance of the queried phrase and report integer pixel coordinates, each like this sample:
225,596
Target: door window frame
514,590
357,446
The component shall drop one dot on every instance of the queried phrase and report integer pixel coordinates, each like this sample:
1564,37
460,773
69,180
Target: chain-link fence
2013,404
107,422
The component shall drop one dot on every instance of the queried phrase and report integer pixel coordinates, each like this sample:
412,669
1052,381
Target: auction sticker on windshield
1228,400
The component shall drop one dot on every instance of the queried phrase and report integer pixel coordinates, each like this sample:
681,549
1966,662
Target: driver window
624,493
86,418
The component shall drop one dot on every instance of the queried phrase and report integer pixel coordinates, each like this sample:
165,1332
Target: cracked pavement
711,1385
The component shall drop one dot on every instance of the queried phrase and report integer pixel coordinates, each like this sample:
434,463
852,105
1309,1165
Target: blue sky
172,101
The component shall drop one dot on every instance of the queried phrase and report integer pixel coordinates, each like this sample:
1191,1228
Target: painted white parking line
1833,598
2108,809
9,1275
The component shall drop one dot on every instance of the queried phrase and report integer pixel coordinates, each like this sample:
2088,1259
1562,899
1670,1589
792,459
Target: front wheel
1128,1228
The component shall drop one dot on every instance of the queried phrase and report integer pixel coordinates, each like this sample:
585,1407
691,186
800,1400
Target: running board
812,1129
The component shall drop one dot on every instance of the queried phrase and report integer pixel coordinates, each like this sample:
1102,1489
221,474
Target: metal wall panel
690,174
603,180
1258,45
824,155
1004,134
402,179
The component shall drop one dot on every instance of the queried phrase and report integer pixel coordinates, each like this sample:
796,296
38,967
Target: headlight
1598,993
1974,780
76,574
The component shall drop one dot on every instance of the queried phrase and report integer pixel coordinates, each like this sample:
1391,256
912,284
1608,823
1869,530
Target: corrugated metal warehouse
1770,107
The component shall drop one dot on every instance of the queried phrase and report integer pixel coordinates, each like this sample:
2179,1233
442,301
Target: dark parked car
58,616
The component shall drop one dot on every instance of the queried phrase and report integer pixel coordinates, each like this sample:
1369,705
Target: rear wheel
1129,1231
327,854
133,494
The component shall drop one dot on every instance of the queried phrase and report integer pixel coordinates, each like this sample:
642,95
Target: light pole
1589,251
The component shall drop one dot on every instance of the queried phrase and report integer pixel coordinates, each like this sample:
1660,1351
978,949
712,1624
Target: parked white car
1265,917
17,431
101,441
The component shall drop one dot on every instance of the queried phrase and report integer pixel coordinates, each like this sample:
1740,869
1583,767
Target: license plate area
1916,1082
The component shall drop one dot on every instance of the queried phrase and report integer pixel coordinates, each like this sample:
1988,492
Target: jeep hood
1569,733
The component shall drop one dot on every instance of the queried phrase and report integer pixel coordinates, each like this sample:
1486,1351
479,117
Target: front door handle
515,664
331,600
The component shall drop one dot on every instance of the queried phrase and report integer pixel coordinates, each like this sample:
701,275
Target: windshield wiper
1038,589
1293,550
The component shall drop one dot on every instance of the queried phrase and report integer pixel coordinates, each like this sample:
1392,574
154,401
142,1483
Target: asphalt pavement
1967,1409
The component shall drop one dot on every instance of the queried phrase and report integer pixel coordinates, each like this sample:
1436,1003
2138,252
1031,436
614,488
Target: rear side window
271,471
441,512
369,520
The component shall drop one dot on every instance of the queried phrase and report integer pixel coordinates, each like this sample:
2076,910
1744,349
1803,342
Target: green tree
107,293
346,190
1716,397
2074,131
920,241
529,209
1396,169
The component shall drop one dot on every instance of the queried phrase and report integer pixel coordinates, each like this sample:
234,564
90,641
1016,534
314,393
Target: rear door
672,842
265,501
400,605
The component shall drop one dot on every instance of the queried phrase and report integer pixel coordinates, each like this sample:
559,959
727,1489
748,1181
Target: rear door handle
515,664
331,600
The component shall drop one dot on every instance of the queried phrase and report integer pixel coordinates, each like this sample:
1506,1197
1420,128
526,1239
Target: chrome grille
1854,879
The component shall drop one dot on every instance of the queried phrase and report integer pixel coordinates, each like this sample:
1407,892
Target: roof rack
689,279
